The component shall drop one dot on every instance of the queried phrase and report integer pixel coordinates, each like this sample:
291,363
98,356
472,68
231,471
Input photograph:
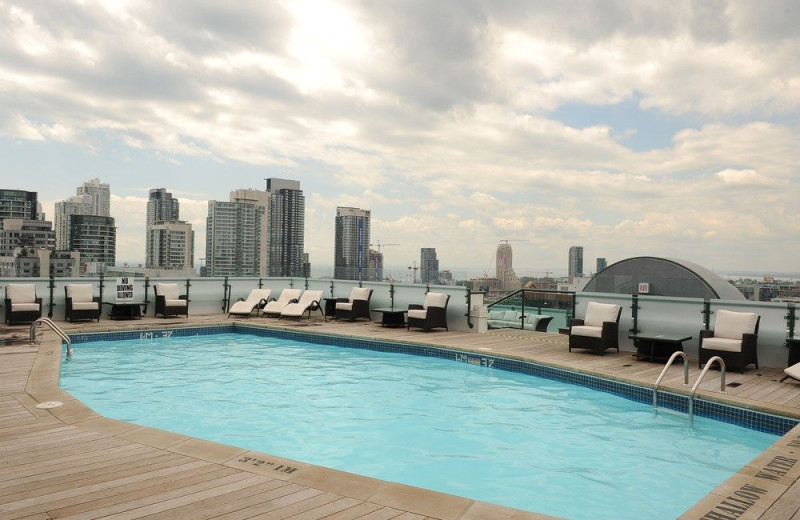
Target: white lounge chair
598,330
357,306
309,301
169,302
22,304
81,304
256,300
734,339
287,296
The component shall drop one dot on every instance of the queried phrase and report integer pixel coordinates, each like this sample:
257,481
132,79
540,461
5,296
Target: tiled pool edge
753,419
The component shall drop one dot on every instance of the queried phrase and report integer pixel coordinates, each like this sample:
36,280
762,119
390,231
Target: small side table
329,308
125,310
793,344
654,346
392,317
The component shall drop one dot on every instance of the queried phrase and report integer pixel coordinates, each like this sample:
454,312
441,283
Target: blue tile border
755,420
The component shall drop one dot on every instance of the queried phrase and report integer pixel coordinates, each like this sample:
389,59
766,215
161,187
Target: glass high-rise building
19,204
428,266
100,196
601,264
233,239
169,242
95,238
286,232
575,267
351,255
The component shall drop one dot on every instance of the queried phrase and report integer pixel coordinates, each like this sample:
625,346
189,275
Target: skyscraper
233,239
504,267
575,268
169,242
601,264
429,266
19,204
170,245
100,195
351,256
286,236
77,205
95,238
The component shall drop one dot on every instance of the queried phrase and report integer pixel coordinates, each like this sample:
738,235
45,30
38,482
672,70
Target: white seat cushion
597,313
344,306
85,306
793,371
732,325
79,292
175,303
23,307
360,293
435,300
168,290
21,292
726,344
586,330
496,315
256,295
245,307
419,314
510,316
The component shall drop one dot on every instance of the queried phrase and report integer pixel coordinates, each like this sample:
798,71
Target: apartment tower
575,267
428,266
351,256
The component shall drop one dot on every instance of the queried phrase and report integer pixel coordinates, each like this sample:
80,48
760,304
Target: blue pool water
491,435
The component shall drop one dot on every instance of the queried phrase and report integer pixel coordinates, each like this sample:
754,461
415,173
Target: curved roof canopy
665,276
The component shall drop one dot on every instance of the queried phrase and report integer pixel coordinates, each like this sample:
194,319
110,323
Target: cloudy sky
629,127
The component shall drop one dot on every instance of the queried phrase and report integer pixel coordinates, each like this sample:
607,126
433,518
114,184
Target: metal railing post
225,294
102,284
706,313
469,307
52,286
146,296
791,317
635,313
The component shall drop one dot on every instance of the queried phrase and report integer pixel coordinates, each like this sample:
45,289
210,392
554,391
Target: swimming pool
524,442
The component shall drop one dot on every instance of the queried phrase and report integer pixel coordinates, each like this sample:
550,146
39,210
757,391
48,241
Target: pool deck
70,462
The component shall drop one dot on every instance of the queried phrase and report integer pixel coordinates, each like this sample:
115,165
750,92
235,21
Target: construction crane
415,268
378,243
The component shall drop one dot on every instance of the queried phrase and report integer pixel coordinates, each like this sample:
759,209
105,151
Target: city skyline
631,129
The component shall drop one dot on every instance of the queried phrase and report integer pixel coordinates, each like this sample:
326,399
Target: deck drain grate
734,385
628,365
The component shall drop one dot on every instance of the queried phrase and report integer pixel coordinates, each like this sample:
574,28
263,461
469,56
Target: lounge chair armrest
749,340
417,306
610,331
183,297
575,322
345,300
706,333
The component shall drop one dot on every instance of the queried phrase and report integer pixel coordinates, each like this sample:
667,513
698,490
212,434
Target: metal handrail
54,328
664,371
700,378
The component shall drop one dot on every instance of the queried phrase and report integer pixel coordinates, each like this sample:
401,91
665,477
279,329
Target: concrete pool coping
759,490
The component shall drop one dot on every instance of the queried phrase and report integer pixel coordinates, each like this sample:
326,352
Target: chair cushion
344,306
732,325
360,293
586,330
168,290
726,344
496,315
433,299
256,295
21,292
245,307
597,313
79,292
511,316
24,307
419,314
289,294
793,371
85,306
175,303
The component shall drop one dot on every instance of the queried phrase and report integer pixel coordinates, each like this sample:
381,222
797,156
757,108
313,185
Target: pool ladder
686,379
54,328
